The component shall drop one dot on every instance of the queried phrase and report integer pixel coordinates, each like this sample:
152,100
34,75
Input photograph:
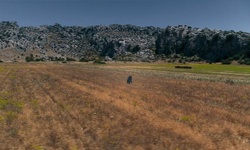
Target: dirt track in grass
74,106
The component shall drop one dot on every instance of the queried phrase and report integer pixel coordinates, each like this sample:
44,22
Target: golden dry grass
75,106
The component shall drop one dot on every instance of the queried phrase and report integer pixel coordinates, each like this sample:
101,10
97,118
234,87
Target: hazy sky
214,14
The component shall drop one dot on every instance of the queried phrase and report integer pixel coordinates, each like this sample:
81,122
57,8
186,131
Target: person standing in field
129,80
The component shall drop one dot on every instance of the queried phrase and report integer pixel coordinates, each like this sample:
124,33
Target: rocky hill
210,45
121,42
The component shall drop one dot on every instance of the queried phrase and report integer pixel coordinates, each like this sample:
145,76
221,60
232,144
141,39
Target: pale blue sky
214,14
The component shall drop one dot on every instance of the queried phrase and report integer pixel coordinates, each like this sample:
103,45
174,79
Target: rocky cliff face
211,45
119,42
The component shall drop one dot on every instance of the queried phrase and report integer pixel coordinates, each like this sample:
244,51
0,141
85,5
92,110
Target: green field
211,72
201,68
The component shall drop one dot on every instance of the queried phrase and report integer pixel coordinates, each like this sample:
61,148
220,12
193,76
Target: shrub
182,61
70,59
184,67
248,63
29,58
39,59
59,59
185,118
244,61
99,62
241,61
226,62
83,60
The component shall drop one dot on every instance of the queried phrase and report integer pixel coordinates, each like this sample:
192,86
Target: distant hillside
121,42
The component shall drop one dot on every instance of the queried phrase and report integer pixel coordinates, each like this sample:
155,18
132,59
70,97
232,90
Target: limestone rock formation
119,42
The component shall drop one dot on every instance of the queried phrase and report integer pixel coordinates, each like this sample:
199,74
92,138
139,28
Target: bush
70,59
226,62
83,60
241,61
184,67
29,58
248,63
99,62
182,61
39,59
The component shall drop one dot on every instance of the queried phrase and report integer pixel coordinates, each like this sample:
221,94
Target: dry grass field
47,106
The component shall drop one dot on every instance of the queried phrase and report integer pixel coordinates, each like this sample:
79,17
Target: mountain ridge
122,43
